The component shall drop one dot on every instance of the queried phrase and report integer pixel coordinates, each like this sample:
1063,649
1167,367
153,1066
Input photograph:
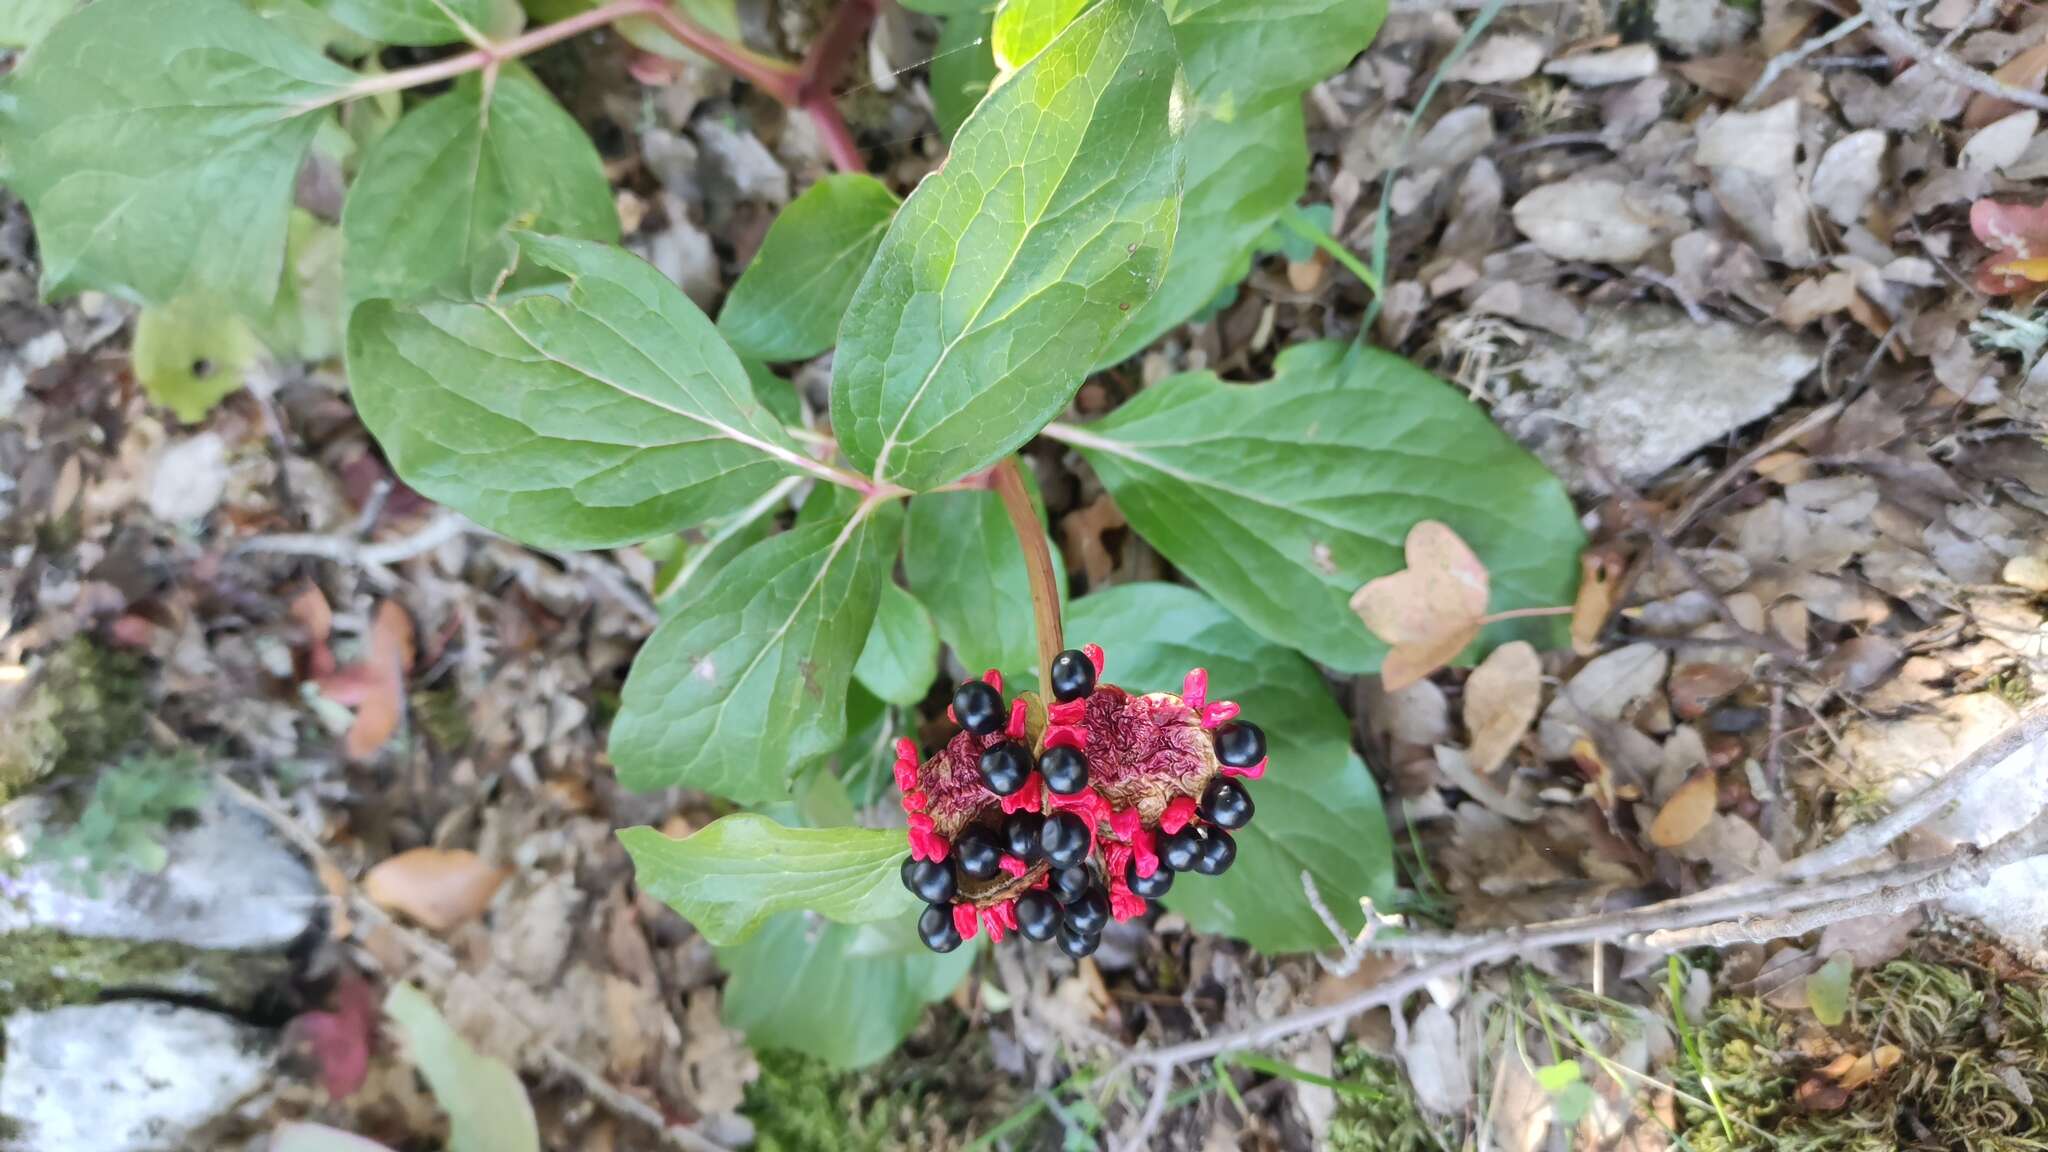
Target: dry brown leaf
1686,814
1502,697
1084,528
1429,611
382,706
340,924
1600,573
437,887
2025,72
1695,688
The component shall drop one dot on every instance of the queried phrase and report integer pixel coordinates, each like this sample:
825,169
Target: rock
1848,175
1499,59
1599,220
742,163
1896,758
1646,388
189,478
127,1076
1614,66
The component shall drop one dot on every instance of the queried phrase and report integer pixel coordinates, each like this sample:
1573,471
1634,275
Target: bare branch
1894,38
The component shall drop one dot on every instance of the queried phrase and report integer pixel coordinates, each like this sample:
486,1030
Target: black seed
1076,944
1065,769
979,708
935,928
1038,915
1065,839
1069,884
1073,675
1179,849
1240,744
1005,767
1218,851
1226,804
1020,835
929,880
1150,887
1087,915
976,853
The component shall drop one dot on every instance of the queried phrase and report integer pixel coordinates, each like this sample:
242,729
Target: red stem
826,60
1045,589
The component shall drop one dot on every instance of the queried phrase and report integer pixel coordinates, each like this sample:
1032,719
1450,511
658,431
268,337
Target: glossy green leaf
1009,270
592,414
425,22
963,561
962,68
156,143
1281,499
189,355
902,655
847,994
432,211
487,1107
1248,63
729,876
787,304
24,22
1318,807
744,686
1024,27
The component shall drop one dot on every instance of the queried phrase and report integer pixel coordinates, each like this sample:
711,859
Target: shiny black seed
1069,884
935,928
1073,675
1150,887
1076,944
1087,915
929,880
1065,769
1218,851
1038,915
976,852
1226,804
1020,835
1240,744
1179,849
1005,767
979,708
1065,839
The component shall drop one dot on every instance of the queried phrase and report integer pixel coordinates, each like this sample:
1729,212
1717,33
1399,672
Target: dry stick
1783,61
1045,589
1893,37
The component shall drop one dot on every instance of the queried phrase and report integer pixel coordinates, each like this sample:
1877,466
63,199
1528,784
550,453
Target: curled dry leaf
1688,811
437,887
1695,688
1429,611
1501,700
1600,572
375,686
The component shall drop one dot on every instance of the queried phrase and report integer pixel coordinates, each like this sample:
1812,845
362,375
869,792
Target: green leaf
787,304
700,553
191,354
306,323
902,655
844,993
156,143
1024,27
1281,499
24,22
1248,63
426,22
589,415
736,692
1827,990
1318,807
486,1104
963,561
962,68
948,7
439,193
739,870
1555,1078
1060,194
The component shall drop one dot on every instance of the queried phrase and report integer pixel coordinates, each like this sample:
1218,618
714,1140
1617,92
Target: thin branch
346,550
1894,38
1785,60
777,78
1045,589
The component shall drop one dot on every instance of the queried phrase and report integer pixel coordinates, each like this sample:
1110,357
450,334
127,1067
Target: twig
1735,471
1155,1109
1785,60
345,550
1353,949
1045,589
1892,35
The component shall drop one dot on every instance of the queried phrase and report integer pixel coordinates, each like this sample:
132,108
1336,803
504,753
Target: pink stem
522,45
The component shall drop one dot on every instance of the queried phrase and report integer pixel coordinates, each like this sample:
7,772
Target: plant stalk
1045,588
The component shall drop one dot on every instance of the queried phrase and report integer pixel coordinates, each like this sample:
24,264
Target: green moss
801,1104
84,706
1379,1114
935,1093
42,969
1972,1074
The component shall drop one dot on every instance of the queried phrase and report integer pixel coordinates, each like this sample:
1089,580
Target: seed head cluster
1052,819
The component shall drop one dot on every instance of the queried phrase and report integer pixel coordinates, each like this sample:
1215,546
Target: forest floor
1715,264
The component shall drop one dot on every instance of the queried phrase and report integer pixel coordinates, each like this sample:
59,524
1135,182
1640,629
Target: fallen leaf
1598,220
1436,1067
2025,72
440,888
1600,572
1827,993
1084,528
339,1037
1501,700
1849,174
1429,611
310,611
2017,235
375,687
1695,688
1688,810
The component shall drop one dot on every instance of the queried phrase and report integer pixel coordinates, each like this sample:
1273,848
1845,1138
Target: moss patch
927,1096
1379,1113
85,705
42,969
